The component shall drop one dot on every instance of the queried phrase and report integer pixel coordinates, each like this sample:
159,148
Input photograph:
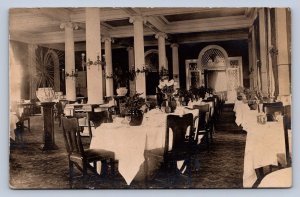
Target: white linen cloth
278,179
240,109
129,142
13,118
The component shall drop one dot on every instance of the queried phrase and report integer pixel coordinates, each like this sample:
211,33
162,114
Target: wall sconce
72,74
98,63
258,63
273,51
163,72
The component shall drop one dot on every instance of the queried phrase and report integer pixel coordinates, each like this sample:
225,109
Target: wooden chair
201,126
80,157
286,159
182,147
211,118
59,112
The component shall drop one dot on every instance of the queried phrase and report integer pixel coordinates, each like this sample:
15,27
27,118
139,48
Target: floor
221,167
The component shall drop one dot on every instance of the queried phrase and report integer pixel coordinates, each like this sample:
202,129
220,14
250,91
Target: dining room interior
150,98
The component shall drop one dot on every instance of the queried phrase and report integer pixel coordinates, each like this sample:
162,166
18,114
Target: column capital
161,34
107,39
134,19
174,45
129,48
68,25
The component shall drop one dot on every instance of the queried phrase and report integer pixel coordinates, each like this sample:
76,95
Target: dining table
264,142
129,142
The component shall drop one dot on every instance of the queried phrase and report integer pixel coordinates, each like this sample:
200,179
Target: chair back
71,134
271,111
204,110
287,113
100,117
178,126
59,108
287,125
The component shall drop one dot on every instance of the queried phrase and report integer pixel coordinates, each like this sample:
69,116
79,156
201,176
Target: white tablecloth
263,143
278,179
13,119
129,142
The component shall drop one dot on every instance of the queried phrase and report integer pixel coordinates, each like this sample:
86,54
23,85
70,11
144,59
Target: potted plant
133,106
44,75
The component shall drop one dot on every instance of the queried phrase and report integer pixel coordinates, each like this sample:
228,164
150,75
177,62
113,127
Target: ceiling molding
156,23
57,14
204,25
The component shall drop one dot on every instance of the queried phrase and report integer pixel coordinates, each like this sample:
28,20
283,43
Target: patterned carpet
30,168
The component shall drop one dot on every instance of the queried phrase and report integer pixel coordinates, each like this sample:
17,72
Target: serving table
129,142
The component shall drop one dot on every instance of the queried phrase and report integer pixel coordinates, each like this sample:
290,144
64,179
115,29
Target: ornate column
162,50
263,52
108,67
32,64
250,58
175,62
139,56
283,61
93,52
69,59
131,64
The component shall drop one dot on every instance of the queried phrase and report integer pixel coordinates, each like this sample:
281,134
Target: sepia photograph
150,98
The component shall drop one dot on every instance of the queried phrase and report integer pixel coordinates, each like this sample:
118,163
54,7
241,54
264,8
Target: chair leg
207,141
112,167
29,124
71,171
146,172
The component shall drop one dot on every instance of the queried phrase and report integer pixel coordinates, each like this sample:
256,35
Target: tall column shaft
283,52
69,61
175,63
131,64
250,60
162,50
93,49
263,52
139,56
32,63
108,67
254,59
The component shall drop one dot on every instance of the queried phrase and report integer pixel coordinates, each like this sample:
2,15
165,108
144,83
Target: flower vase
167,109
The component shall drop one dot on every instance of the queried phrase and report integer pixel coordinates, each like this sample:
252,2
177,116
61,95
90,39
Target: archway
213,61
152,78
